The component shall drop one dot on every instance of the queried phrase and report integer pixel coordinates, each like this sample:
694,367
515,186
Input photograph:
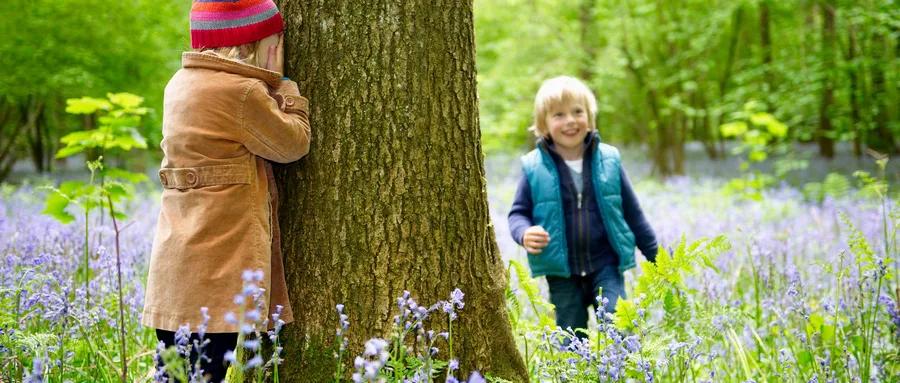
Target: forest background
667,74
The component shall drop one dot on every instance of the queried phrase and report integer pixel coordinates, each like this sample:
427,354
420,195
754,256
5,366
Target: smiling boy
575,212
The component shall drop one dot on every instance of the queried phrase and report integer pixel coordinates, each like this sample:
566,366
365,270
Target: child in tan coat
226,112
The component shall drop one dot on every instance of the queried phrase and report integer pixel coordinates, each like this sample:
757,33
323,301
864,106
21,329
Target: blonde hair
558,90
245,53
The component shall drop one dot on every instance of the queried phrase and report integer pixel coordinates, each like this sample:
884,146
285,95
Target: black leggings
215,350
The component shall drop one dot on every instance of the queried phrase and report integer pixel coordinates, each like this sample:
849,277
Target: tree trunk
823,133
31,114
680,141
392,195
765,41
886,141
588,43
703,129
856,125
725,80
11,127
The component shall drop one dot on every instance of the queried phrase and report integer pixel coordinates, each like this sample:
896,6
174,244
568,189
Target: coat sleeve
520,214
276,127
634,216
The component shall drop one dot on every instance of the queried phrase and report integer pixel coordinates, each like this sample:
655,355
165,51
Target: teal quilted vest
543,180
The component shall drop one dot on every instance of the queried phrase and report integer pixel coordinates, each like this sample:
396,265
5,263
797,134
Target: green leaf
55,206
777,129
836,185
86,105
733,129
626,314
671,302
83,139
124,175
828,332
115,190
125,143
757,156
805,358
815,322
858,342
73,189
139,140
125,100
77,137
761,118
69,150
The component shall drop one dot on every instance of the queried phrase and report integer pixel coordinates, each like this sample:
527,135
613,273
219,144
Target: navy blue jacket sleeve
644,236
520,213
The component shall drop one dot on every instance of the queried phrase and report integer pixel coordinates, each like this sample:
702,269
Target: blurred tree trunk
588,40
824,131
886,141
680,132
736,25
660,146
765,41
853,74
32,112
704,131
392,196
12,127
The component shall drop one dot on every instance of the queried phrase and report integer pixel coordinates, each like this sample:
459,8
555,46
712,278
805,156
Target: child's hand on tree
535,239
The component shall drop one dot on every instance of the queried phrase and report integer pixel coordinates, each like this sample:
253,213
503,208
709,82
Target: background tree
392,195
668,73
54,50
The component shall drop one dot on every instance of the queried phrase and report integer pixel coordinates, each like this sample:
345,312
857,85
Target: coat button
191,178
289,101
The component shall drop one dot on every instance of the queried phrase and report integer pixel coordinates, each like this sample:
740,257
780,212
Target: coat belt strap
190,178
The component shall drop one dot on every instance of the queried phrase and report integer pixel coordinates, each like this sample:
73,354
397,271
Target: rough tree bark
392,196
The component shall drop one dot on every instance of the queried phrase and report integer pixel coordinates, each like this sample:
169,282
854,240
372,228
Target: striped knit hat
226,23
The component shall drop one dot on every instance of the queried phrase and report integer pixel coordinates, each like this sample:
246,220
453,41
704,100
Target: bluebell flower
476,378
36,375
251,344
456,298
253,315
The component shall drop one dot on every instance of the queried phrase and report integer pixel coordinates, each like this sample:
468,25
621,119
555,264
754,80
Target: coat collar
214,62
590,141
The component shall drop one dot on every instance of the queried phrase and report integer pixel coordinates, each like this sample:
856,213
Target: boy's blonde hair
245,53
559,90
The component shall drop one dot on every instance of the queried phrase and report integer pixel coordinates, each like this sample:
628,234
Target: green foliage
54,50
835,186
529,317
539,307
663,282
668,73
119,115
758,138
760,135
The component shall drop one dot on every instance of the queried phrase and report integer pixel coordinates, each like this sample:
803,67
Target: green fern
539,306
37,343
663,281
859,246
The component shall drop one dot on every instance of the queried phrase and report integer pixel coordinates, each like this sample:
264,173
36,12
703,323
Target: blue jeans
574,295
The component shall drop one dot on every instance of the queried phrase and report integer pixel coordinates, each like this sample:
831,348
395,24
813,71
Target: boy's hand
535,239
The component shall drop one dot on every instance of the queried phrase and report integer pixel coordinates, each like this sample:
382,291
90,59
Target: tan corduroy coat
221,121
